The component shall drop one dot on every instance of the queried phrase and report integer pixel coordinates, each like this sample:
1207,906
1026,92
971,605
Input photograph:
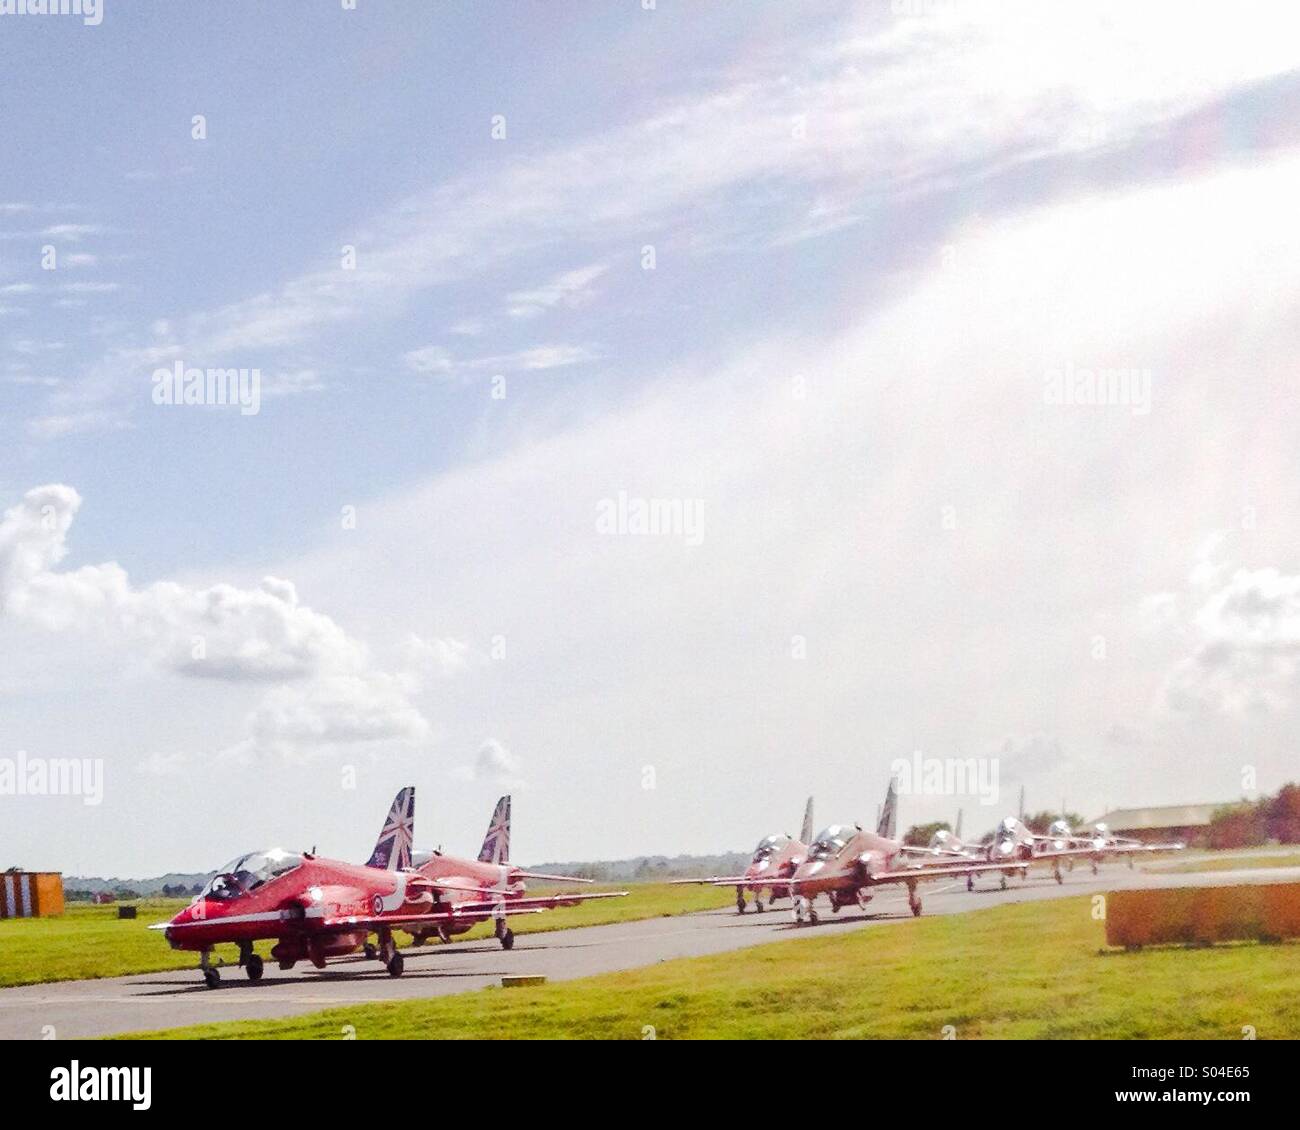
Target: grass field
1030,971
1226,863
90,941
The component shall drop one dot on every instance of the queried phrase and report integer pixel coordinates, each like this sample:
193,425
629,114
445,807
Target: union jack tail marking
393,848
496,844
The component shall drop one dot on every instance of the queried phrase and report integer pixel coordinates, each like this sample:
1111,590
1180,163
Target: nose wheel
253,967
740,901
505,935
970,882
211,974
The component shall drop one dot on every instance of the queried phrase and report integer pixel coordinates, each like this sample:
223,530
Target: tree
1284,815
1239,825
919,835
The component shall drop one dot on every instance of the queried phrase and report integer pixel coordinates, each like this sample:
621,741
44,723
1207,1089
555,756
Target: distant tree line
1251,823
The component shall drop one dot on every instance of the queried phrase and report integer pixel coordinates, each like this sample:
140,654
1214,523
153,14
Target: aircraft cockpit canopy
247,872
768,847
1008,827
831,841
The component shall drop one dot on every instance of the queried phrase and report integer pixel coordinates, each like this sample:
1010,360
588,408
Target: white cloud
433,360
1247,647
573,288
324,689
859,102
493,764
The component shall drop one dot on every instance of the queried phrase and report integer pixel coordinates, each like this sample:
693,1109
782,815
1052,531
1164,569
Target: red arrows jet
316,908
846,863
466,880
776,857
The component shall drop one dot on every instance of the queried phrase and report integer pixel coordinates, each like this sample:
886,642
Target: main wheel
915,904
1059,877
970,882
253,967
211,978
812,915
395,964
507,939
1002,880
740,905
758,905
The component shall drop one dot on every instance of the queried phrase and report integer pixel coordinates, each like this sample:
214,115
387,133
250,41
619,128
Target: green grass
1028,971
1223,863
91,941
88,941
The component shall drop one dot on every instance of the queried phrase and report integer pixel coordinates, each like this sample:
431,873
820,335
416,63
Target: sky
663,412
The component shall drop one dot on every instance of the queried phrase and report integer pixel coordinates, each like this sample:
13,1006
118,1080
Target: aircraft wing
479,909
1140,849
375,921
548,878
535,903
723,880
1061,853
938,871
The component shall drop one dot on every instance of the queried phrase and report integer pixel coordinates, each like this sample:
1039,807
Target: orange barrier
1200,915
30,894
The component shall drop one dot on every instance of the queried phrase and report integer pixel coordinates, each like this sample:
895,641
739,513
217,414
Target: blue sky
875,228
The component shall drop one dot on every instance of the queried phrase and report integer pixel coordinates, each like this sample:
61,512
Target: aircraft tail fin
806,832
393,848
888,826
496,844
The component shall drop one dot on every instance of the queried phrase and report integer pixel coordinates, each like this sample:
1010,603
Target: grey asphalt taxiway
81,1009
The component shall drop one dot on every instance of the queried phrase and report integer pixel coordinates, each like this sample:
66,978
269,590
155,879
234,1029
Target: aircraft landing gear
1094,867
417,939
211,975
914,900
970,882
504,934
389,954
369,950
740,900
250,961
800,910
1056,874
1002,881
758,905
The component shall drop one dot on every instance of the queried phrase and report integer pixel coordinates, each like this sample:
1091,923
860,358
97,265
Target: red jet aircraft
464,879
316,908
776,857
846,863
